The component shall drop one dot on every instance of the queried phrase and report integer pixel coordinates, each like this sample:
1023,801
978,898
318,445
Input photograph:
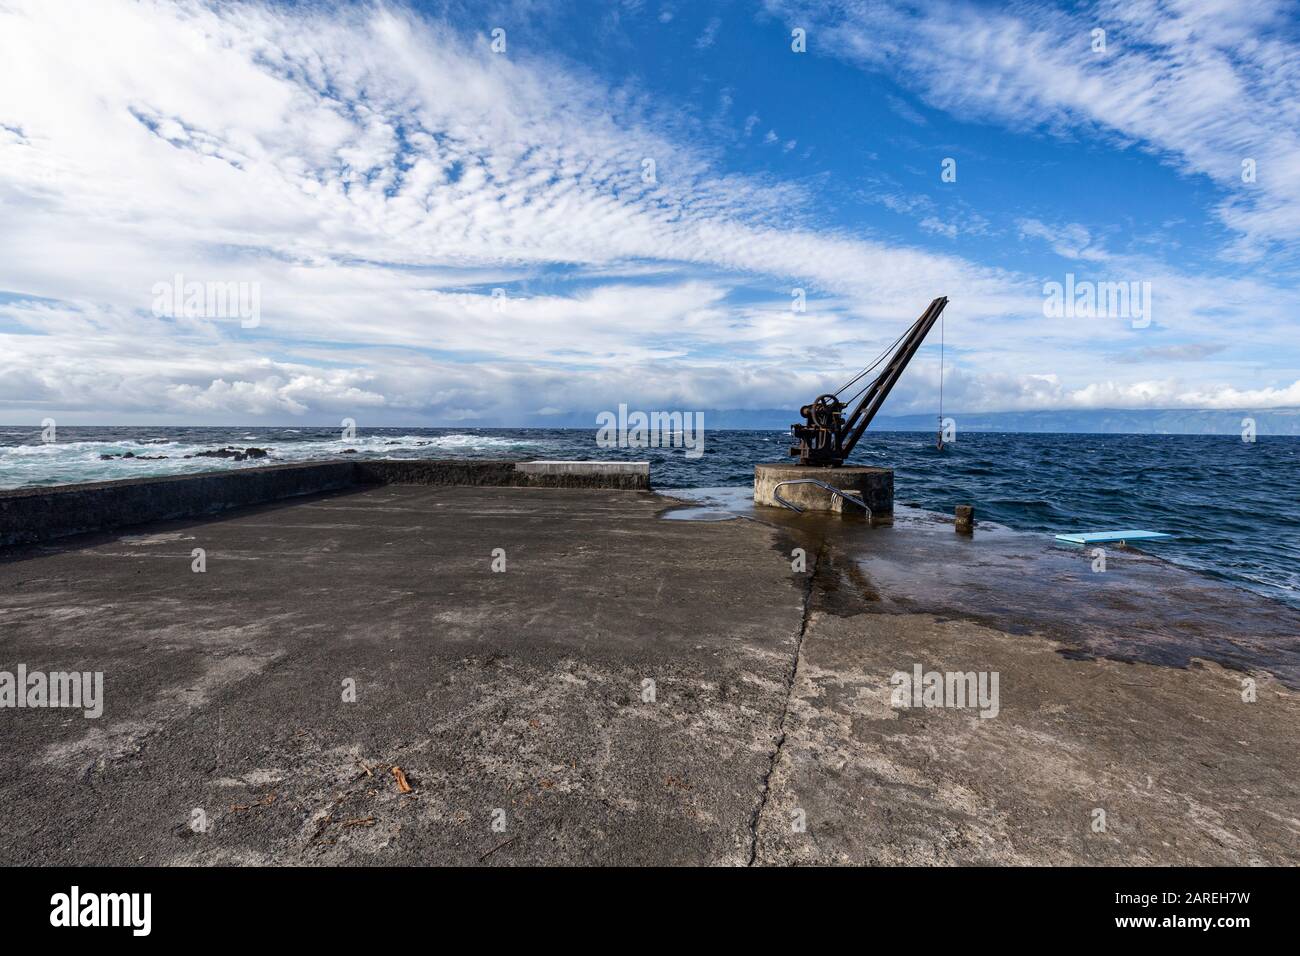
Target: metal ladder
836,492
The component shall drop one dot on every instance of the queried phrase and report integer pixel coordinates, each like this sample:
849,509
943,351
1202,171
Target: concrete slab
517,696
1172,763
520,708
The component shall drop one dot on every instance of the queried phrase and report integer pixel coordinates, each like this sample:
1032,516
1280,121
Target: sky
499,213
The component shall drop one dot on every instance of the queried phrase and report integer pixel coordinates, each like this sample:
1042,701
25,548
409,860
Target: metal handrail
776,493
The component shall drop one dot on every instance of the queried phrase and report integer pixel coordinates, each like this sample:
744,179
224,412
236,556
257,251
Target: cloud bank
442,233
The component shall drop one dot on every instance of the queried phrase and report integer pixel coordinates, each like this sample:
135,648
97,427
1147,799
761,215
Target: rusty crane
826,437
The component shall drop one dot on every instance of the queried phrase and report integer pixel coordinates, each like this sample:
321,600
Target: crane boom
826,438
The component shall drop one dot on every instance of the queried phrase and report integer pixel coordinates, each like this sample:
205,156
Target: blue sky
434,230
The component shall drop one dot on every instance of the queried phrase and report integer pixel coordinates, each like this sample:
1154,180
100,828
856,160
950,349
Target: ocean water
1233,507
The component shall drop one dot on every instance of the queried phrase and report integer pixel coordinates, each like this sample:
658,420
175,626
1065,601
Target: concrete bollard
965,519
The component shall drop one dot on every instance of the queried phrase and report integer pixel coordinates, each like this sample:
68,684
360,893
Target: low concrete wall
30,515
37,514
621,475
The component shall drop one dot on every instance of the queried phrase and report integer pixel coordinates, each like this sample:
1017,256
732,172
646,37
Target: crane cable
883,355
939,443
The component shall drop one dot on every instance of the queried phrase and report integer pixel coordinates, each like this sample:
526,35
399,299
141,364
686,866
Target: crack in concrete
785,709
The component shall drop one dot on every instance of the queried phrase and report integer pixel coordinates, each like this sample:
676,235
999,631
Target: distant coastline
1101,421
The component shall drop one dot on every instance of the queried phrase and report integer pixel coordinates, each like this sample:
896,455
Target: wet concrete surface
518,707
1146,713
1130,607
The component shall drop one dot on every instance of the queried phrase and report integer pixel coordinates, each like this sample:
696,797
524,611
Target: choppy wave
27,461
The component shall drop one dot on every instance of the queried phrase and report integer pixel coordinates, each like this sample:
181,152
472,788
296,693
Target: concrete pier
875,486
621,689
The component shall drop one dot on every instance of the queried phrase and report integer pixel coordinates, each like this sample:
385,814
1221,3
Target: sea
1233,507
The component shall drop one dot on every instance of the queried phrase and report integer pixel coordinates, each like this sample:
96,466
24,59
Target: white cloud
934,224
1203,85
709,35
377,176
1069,241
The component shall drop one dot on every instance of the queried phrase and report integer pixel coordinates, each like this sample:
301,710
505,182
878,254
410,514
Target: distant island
1127,421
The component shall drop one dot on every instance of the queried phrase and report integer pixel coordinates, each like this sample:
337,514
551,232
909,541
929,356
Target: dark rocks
131,454
234,454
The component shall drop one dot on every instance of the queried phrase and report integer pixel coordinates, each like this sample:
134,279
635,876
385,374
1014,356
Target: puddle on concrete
1140,608
143,539
712,504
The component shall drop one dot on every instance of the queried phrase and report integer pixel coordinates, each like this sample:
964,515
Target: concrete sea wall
31,515
622,475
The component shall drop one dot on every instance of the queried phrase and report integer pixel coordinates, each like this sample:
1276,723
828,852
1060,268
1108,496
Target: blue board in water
1103,537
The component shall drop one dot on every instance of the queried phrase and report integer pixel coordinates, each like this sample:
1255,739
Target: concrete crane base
875,486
